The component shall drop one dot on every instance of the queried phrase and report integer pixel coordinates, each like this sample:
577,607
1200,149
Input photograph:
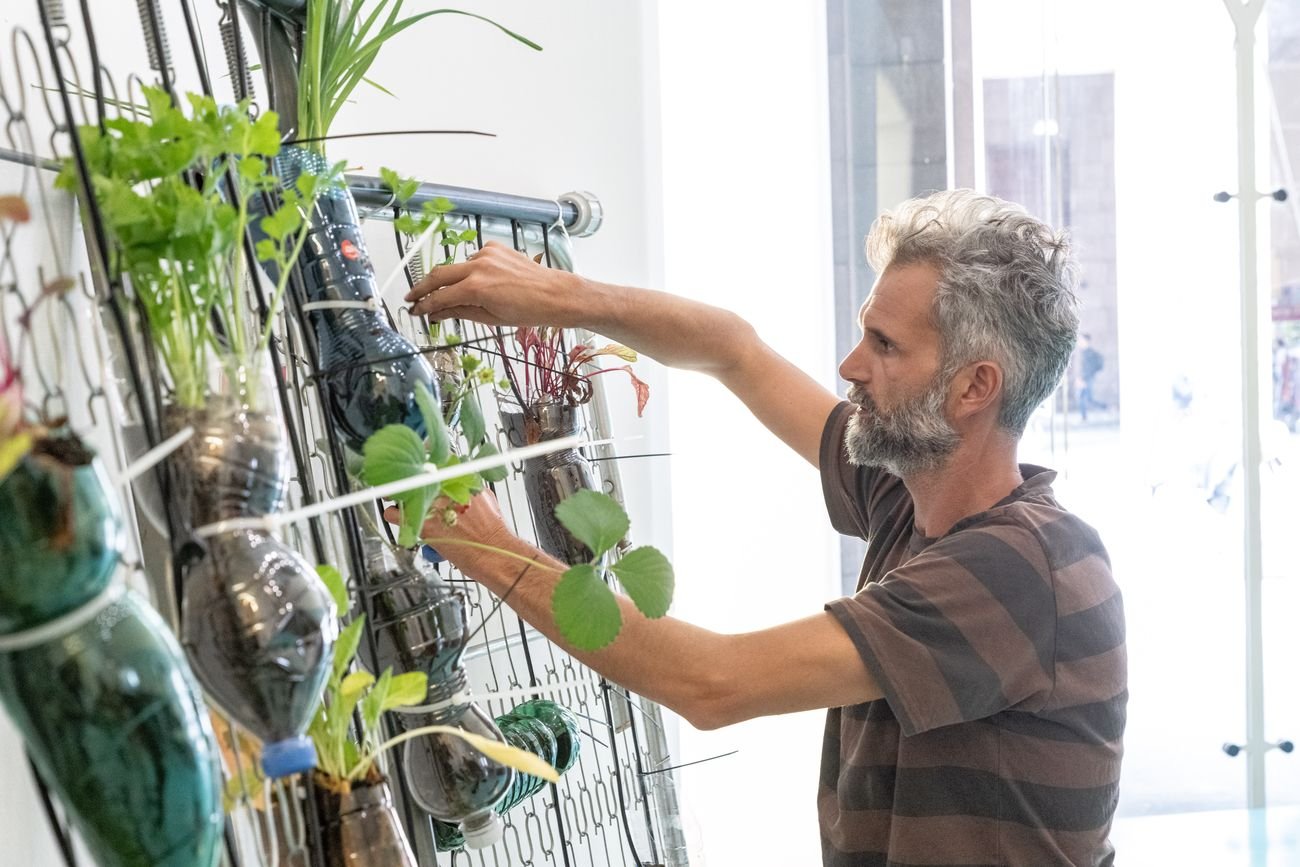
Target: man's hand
479,523
501,286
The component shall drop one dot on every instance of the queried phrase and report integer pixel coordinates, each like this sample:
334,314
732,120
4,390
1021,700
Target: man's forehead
902,294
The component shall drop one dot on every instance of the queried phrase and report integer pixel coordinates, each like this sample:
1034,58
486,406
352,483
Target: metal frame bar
1245,17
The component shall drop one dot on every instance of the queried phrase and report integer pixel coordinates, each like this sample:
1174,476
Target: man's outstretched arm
708,678
499,286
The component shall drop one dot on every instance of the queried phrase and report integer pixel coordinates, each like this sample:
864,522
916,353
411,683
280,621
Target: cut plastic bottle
92,677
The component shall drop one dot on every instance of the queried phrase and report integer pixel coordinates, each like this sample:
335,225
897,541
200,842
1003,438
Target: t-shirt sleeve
963,631
843,484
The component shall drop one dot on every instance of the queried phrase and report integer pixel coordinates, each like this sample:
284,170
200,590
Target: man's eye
884,344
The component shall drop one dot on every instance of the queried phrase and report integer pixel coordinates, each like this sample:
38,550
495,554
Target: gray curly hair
1006,289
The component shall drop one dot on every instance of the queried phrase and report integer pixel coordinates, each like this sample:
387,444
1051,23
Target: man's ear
975,388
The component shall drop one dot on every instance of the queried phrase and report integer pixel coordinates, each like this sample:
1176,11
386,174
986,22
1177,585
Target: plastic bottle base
486,832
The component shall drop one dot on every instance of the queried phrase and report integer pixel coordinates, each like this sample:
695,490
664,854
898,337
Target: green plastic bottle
543,728
92,677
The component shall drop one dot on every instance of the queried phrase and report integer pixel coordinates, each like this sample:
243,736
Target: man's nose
854,368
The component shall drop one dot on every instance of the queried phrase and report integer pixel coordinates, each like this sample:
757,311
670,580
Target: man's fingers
440,299
393,515
440,276
473,314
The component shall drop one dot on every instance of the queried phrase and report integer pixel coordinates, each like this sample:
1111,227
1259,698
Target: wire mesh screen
77,335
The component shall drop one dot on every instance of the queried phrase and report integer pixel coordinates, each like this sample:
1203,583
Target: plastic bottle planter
419,624
256,622
422,626
544,729
108,708
446,364
371,370
360,828
550,478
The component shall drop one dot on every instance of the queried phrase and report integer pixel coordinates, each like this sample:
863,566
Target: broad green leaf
434,426
373,704
647,576
471,420
396,452
393,452
251,168
338,588
355,684
346,646
462,488
585,610
501,473
406,690
595,519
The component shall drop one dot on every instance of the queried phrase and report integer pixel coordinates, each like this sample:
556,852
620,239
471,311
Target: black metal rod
196,46
61,836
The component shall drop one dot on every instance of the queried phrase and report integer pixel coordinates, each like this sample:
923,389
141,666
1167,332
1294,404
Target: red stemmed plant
549,375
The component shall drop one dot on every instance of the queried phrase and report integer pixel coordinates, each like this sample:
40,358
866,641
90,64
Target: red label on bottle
349,249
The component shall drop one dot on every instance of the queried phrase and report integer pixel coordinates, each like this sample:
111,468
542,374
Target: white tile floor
1218,838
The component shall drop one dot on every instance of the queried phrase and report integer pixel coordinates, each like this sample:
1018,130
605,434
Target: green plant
344,759
175,191
432,213
340,42
550,375
396,452
583,605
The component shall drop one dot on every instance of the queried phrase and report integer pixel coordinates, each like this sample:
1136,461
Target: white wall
747,205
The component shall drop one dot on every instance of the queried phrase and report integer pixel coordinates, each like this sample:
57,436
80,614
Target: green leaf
354,684
346,647
471,421
501,473
647,576
434,426
393,452
251,168
406,690
585,610
373,704
338,588
266,250
396,452
595,519
462,488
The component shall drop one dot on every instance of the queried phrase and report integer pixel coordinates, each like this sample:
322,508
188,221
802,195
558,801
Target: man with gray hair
976,681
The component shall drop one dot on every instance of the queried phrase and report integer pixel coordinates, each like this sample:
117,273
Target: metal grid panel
616,805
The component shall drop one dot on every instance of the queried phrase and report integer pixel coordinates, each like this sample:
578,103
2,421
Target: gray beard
913,437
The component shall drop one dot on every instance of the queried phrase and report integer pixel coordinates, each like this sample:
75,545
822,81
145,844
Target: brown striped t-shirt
1000,650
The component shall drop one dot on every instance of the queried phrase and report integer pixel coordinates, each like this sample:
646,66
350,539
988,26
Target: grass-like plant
340,43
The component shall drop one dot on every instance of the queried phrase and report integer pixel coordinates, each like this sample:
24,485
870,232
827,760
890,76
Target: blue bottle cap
431,555
289,756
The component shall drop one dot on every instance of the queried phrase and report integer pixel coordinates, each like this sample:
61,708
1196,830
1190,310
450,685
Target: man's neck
972,481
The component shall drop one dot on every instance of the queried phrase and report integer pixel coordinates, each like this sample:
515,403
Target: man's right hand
498,285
